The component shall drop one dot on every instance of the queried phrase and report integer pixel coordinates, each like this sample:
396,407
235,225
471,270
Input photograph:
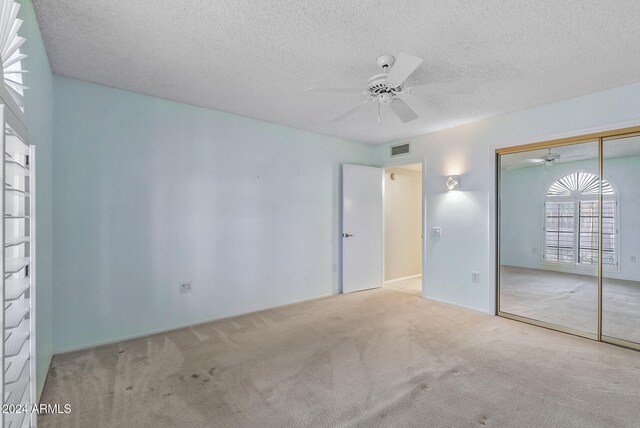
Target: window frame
575,264
544,230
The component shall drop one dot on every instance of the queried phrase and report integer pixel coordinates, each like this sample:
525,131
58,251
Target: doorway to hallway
403,228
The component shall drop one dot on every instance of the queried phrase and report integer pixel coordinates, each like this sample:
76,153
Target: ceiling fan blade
352,110
403,111
444,89
402,68
336,90
512,167
525,163
578,156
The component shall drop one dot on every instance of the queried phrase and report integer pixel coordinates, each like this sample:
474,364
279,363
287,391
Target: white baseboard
391,281
178,326
447,302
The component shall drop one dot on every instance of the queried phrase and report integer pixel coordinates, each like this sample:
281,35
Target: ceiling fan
389,86
547,160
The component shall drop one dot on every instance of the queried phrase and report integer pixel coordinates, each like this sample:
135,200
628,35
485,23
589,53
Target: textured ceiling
256,58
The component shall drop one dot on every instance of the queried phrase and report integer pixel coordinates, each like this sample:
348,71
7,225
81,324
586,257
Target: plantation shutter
559,231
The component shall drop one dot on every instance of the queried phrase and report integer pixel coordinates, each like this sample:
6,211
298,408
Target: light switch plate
475,277
436,232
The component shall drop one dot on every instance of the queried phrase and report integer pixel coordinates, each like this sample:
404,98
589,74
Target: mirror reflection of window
571,221
549,238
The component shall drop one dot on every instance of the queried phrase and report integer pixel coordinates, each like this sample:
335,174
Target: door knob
346,235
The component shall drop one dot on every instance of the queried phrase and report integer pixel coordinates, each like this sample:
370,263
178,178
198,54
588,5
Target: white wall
39,116
467,217
402,223
150,192
522,197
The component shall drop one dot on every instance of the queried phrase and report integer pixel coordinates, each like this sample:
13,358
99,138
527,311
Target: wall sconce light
453,183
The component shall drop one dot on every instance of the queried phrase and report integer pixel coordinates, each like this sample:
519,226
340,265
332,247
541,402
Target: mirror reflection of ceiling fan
547,160
388,88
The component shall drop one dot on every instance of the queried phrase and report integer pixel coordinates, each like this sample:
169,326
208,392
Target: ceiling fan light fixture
385,98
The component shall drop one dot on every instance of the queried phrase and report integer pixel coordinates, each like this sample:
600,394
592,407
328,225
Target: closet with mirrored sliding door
569,235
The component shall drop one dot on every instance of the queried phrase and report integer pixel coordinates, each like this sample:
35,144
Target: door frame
592,137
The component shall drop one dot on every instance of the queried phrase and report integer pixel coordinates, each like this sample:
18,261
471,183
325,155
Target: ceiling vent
400,149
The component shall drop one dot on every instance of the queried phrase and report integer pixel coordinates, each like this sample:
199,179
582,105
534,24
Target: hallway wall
402,223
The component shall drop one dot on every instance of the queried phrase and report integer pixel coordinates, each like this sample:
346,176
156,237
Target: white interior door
361,227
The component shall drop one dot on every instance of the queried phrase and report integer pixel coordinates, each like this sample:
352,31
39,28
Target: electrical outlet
534,250
475,277
633,259
436,232
185,287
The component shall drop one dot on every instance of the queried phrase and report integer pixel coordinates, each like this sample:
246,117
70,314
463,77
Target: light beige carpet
571,300
410,286
377,358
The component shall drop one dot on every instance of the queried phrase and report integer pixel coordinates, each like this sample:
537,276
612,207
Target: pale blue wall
467,218
39,114
150,192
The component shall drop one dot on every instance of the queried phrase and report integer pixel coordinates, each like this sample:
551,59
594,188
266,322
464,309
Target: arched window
10,50
571,221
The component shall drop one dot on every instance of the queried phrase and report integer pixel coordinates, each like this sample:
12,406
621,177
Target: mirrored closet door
621,234
568,235
549,236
